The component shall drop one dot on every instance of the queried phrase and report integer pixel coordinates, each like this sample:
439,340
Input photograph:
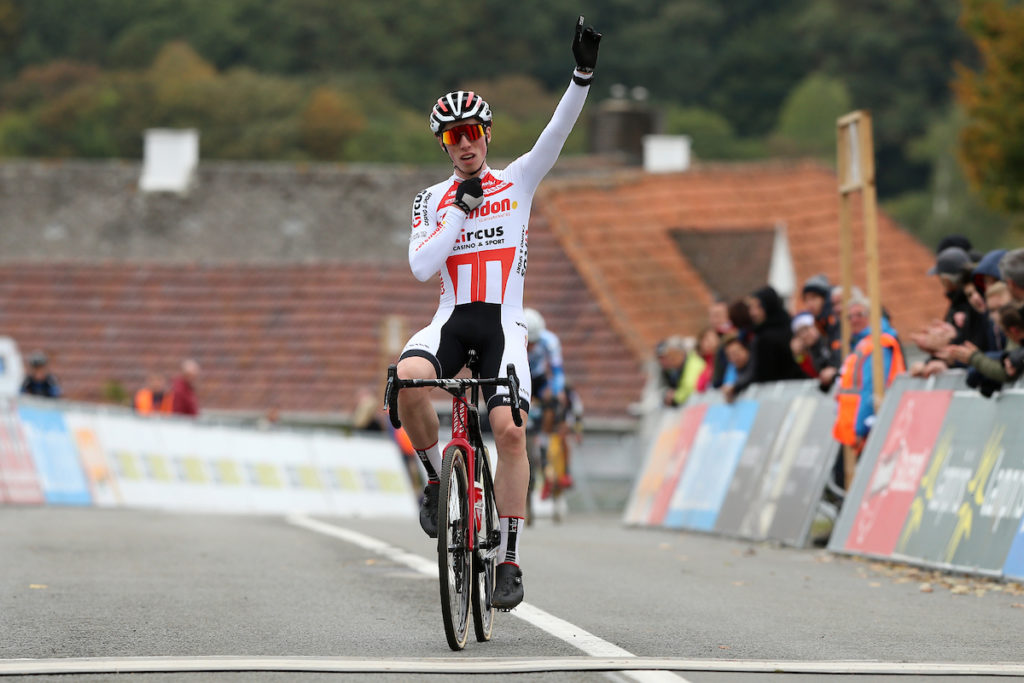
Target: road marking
559,628
492,665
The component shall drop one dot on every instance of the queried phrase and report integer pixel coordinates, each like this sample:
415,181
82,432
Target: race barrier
60,453
753,469
941,481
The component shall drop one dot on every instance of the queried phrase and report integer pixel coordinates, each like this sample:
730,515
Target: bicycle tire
485,559
454,561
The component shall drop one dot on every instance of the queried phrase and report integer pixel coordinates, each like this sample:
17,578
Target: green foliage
711,134
992,142
948,205
807,122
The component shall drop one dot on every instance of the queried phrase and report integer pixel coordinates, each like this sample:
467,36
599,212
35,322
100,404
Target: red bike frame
460,438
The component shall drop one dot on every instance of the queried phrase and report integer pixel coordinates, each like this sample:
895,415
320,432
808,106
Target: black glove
469,195
584,46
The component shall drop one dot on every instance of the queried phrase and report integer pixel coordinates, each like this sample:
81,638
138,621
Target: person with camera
471,230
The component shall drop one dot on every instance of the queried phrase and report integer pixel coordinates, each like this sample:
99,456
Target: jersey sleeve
534,165
433,236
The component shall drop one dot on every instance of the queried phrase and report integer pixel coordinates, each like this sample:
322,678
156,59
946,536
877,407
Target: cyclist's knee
508,437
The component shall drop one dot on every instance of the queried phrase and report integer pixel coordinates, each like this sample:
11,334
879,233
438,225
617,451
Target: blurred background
318,80
276,258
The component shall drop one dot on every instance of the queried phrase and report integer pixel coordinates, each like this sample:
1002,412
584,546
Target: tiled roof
621,232
305,338
606,269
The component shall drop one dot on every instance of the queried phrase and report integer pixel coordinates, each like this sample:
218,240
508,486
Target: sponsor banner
364,476
652,474
940,513
98,471
18,480
751,466
800,465
990,514
705,483
897,472
866,464
55,456
685,437
1014,566
178,464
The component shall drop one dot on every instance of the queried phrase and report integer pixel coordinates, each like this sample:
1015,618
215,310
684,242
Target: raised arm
535,164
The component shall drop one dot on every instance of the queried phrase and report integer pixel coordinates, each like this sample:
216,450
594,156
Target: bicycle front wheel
486,555
454,560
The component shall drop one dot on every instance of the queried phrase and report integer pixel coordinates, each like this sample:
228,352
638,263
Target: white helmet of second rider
534,325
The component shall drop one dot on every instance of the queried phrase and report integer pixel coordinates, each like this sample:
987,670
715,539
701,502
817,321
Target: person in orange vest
153,398
856,381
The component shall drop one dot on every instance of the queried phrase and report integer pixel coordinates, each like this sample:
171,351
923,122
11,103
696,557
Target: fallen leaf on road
926,588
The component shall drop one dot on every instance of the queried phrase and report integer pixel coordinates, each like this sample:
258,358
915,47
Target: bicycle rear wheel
485,560
454,561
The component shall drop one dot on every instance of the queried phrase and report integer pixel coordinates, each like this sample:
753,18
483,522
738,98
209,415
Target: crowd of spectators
758,338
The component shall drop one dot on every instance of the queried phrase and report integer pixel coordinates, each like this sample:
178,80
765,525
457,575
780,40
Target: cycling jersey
545,358
481,257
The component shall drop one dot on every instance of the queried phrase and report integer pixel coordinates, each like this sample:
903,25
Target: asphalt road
124,584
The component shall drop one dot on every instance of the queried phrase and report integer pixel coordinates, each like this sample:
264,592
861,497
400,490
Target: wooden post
856,165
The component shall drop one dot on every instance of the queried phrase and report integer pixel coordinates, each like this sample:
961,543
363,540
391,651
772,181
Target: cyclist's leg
433,352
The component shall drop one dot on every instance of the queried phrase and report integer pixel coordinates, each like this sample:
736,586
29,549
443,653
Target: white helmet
534,325
458,106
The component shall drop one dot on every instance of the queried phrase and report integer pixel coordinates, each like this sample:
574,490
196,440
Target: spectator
739,366
856,379
815,357
681,367
816,297
1011,271
718,317
986,272
708,343
367,414
987,371
184,401
771,355
39,380
740,324
961,323
997,295
153,397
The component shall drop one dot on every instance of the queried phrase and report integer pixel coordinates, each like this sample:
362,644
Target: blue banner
56,456
1014,567
712,462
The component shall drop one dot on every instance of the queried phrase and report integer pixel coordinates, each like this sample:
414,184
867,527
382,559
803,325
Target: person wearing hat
39,380
816,297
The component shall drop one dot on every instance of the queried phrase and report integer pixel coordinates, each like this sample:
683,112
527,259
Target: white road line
561,629
491,665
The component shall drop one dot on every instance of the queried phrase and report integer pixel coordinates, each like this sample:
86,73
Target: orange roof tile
619,234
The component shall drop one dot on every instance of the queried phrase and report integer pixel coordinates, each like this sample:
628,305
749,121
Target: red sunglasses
472,131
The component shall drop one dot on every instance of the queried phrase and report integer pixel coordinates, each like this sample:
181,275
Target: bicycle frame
465,420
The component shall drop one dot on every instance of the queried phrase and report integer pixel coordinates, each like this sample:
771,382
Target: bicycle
469,532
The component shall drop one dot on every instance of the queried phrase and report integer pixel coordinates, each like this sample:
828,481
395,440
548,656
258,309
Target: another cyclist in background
471,229
547,379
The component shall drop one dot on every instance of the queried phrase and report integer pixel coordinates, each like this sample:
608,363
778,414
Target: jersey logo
481,275
491,185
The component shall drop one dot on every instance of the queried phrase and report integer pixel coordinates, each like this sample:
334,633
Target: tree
328,121
992,142
807,122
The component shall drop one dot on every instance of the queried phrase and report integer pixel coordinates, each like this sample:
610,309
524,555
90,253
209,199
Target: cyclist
472,230
547,381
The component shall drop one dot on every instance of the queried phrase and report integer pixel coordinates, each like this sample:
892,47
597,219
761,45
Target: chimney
170,159
618,125
666,153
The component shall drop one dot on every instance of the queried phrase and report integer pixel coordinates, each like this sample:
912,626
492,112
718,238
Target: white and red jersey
482,256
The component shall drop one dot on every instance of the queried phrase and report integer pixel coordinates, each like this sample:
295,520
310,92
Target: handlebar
453,386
